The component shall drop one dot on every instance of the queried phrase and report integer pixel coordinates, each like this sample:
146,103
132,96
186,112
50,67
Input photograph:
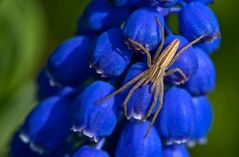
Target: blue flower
92,119
176,119
111,55
201,1
88,151
69,63
132,142
142,27
187,61
141,100
21,149
165,3
175,151
203,118
75,99
48,125
210,46
134,3
47,88
204,79
100,16
196,19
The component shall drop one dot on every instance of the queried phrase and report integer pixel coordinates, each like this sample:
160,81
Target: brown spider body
155,73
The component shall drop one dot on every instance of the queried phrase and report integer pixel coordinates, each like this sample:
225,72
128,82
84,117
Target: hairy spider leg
155,99
161,95
176,57
177,70
153,88
126,85
162,41
144,50
184,48
137,85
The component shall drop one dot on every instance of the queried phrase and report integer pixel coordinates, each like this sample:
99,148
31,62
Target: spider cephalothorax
157,70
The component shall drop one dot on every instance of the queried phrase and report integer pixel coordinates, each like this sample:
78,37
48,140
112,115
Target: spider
155,73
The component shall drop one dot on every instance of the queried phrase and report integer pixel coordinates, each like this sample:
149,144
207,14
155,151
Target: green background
31,29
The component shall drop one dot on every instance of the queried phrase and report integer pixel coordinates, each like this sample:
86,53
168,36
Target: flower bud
175,151
48,125
204,79
142,27
92,119
69,63
88,151
111,55
196,19
132,142
175,121
203,118
99,16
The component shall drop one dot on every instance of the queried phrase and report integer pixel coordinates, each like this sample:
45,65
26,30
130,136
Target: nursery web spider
155,73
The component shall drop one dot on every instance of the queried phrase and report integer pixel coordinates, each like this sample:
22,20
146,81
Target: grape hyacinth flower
90,152
95,121
150,98
42,124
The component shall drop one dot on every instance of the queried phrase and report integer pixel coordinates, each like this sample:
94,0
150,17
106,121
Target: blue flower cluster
126,85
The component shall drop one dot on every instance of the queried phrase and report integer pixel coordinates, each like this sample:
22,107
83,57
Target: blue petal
47,89
175,151
201,1
20,149
203,118
142,27
69,63
111,55
132,3
95,120
165,3
44,129
210,46
87,151
175,121
204,79
100,15
196,19
132,142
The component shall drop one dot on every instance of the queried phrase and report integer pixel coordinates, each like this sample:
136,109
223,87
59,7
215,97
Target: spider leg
156,93
137,85
139,46
162,41
146,82
161,94
184,48
177,70
132,81
153,88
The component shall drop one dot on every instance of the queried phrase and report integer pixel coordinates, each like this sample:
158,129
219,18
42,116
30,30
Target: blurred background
31,29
